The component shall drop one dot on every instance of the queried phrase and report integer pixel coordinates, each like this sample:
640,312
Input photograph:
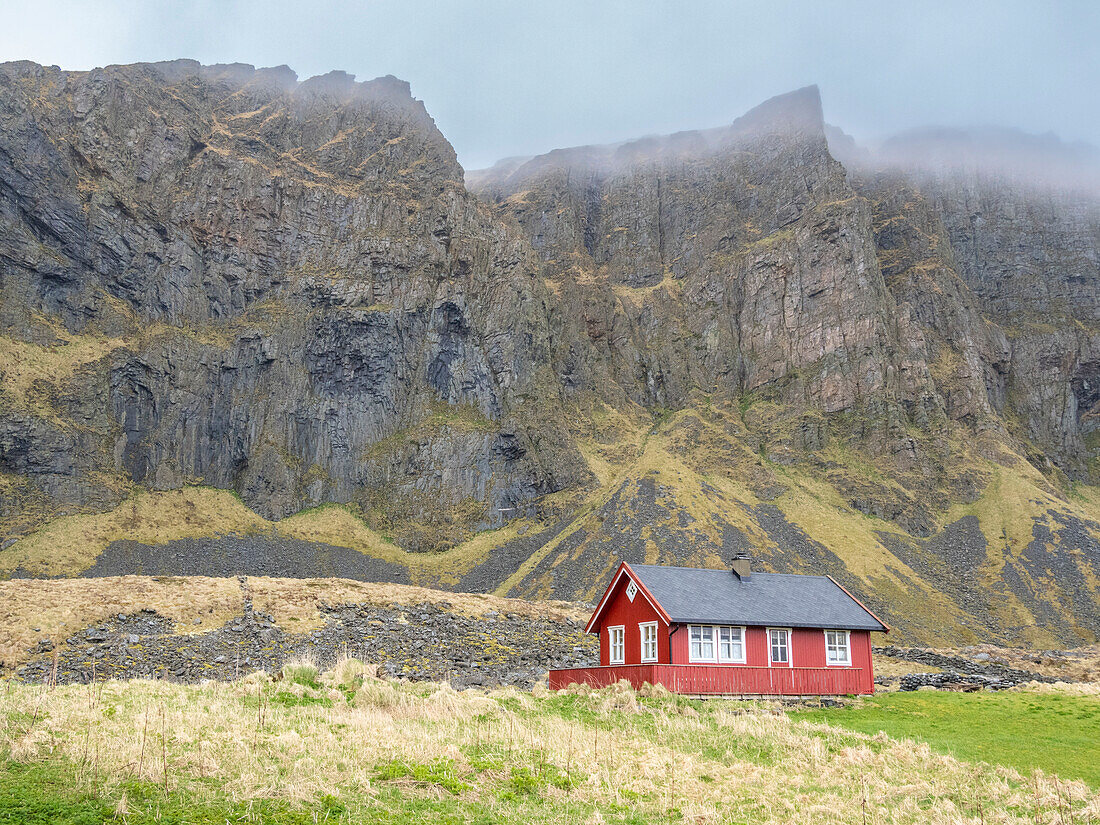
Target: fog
1004,155
505,78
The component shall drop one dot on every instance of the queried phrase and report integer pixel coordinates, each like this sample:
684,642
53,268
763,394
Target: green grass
1054,732
50,794
439,772
392,752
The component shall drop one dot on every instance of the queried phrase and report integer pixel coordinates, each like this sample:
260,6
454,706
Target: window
701,637
631,591
837,648
615,649
649,641
779,649
716,643
731,644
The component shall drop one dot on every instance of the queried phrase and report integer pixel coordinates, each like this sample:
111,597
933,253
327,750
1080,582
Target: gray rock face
1006,228
913,291
730,260
314,308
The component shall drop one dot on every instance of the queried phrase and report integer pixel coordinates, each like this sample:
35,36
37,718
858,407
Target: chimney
742,566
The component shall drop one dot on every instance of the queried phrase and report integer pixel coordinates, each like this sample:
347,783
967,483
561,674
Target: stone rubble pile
420,642
979,672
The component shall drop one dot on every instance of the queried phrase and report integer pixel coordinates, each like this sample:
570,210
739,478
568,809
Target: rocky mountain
867,363
274,287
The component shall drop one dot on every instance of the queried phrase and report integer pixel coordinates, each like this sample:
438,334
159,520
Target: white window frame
718,649
790,652
642,628
847,648
611,660
713,643
716,644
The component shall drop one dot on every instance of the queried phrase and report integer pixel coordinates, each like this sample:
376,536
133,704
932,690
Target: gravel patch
263,555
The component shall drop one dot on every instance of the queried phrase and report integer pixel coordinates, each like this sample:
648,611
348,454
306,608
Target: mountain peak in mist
795,113
1043,160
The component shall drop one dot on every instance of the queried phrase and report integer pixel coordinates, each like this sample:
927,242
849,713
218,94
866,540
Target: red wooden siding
807,647
756,647
714,680
621,611
678,645
861,658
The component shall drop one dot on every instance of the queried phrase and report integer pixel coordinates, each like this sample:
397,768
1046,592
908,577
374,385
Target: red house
729,633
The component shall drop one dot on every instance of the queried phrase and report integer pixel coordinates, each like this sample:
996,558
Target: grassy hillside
345,747
1011,564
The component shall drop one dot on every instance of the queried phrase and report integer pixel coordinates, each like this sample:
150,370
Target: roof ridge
725,570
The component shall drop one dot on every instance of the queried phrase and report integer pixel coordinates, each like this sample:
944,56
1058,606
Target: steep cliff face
721,261
663,351
1016,219
835,335
295,297
740,264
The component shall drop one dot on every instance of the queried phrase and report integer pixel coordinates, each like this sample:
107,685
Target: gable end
605,601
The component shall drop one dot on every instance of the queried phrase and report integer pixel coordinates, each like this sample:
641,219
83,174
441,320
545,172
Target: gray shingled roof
690,594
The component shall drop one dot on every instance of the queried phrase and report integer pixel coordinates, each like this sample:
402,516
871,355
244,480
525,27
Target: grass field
1054,732
345,747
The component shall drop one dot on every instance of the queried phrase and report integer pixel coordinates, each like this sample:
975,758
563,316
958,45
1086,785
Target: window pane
836,647
616,639
707,645
649,641
779,645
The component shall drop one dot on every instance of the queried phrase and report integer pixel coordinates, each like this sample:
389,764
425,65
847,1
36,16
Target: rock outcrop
307,304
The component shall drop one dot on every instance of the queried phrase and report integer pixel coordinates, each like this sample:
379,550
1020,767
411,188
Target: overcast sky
509,77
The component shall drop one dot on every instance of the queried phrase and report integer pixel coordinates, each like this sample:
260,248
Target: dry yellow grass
646,759
1068,688
335,525
70,544
296,600
28,364
60,607
888,666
